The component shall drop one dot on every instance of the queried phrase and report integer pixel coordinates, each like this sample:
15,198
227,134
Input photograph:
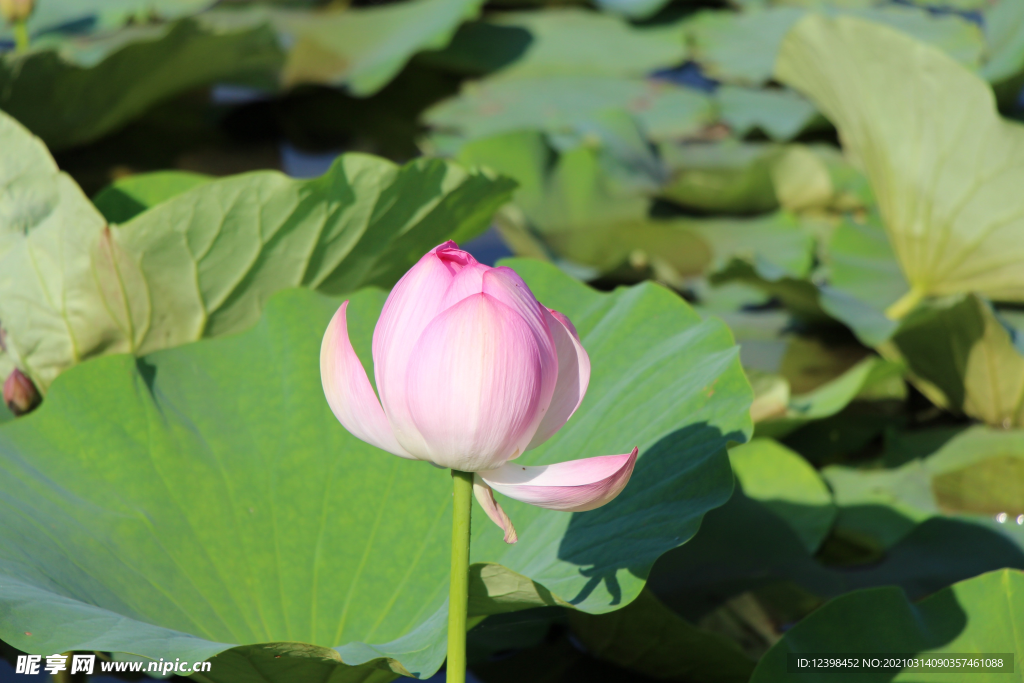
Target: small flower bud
20,394
16,11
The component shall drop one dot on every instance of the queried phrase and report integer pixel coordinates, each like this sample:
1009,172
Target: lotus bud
20,393
16,11
472,371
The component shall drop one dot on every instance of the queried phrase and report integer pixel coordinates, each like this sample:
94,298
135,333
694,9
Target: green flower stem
20,36
458,594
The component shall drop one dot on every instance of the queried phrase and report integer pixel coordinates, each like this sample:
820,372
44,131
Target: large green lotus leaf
943,182
649,638
127,197
363,48
787,485
965,358
554,104
102,15
562,42
980,615
741,47
203,263
204,500
86,87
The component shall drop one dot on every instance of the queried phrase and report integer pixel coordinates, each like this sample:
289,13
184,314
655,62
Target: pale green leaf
942,163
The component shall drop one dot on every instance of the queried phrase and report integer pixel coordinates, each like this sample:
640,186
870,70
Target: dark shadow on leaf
676,481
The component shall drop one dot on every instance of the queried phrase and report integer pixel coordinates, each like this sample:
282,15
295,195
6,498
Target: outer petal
573,377
574,486
485,496
413,303
505,285
474,384
348,389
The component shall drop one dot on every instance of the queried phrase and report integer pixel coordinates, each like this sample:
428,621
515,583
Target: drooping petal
348,389
413,303
574,486
474,384
573,377
485,496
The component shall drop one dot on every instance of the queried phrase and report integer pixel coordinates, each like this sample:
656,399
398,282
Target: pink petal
348,389
573,377
415,301
474,384
485,496
574,486
506,286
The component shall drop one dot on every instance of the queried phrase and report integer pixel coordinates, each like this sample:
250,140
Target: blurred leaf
634,9
787,485
650,639
729,177
588,207
72,287
953,224
972,476
77,16
871,378
88,87
979,615
745,546
864,279
818,178
963,357
779,114
564,41
1004,34
127,197
363,48
204,501
741,47
554,104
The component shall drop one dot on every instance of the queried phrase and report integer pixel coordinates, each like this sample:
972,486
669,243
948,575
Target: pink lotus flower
472,371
